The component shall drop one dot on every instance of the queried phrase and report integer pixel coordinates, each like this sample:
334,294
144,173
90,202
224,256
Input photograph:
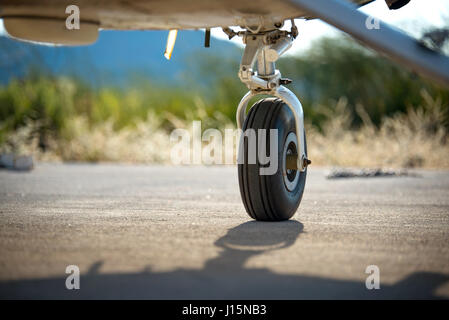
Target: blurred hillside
116,57
360,109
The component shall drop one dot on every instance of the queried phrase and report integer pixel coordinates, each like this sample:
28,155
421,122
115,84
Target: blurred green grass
340,84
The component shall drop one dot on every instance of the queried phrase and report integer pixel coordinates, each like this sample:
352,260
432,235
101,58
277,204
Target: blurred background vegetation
360,110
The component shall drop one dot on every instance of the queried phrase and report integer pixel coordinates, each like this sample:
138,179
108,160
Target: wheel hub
291,176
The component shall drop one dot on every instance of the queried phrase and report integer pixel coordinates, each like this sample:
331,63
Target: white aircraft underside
162,14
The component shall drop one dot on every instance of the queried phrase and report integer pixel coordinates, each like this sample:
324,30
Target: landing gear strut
272,197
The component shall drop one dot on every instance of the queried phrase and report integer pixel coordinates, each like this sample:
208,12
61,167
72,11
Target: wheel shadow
225,276
250,239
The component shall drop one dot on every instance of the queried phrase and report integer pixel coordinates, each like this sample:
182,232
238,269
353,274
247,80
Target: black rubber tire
266,197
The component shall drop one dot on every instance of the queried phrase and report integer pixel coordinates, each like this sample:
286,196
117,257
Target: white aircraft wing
383,38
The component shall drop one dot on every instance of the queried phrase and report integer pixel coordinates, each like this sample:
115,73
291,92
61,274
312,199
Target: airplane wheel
273,197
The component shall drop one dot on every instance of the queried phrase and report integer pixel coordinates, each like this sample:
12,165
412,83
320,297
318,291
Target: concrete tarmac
182,233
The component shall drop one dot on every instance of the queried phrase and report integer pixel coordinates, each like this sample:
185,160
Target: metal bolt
306,162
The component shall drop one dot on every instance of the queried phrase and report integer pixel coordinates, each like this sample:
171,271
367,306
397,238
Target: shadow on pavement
225,276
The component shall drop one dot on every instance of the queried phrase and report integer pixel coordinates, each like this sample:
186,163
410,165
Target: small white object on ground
22,163
7,160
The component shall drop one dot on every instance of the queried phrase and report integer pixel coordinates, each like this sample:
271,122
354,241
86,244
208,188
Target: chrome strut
263,49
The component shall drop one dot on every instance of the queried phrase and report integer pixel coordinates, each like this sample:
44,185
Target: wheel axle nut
306,162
